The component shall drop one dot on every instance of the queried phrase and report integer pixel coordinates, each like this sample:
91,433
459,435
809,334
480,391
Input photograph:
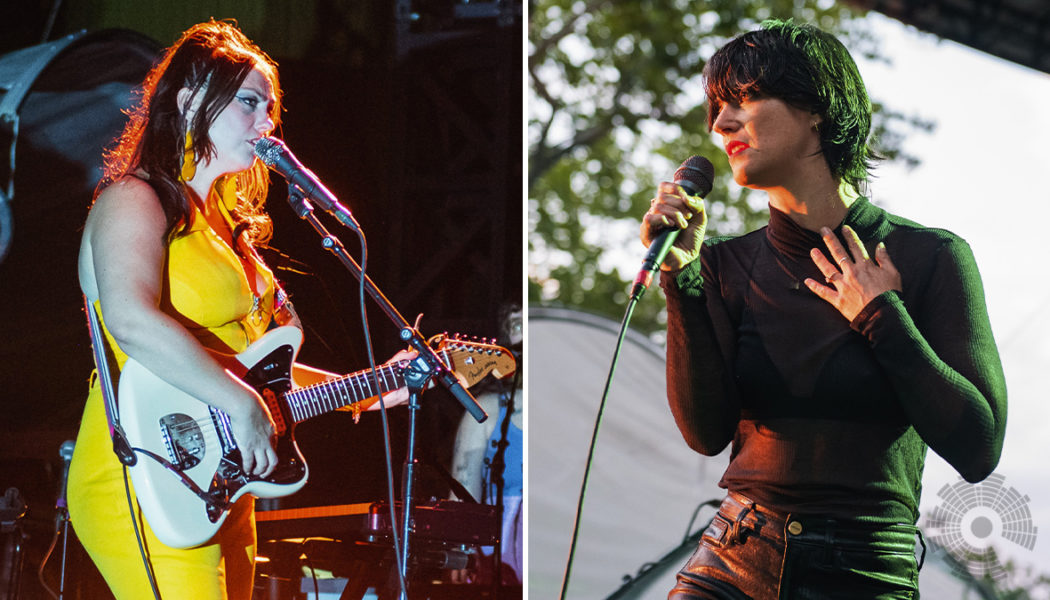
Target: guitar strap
106,366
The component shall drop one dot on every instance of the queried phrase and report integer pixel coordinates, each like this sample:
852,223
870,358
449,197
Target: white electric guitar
188,473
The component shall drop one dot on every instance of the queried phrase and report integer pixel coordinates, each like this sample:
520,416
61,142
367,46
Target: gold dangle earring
189,159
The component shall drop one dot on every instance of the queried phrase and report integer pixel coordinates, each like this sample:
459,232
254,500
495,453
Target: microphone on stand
695,176
276,155
66,452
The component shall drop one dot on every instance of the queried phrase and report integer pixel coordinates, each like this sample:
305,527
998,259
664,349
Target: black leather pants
751,552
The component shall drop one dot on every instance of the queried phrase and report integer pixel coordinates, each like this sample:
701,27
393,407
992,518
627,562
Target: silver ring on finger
842,260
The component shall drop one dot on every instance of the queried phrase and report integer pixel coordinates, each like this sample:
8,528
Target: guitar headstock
472,359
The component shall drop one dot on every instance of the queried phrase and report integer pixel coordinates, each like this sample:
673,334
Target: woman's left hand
860,279
400,395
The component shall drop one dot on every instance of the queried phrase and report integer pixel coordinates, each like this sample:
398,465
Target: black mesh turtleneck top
826,416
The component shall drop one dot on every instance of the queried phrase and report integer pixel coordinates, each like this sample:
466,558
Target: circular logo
973,518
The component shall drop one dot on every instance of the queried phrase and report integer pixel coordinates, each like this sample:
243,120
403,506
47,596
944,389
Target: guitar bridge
183,439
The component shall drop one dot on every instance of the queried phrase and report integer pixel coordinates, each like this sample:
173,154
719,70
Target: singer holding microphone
831,348
169,253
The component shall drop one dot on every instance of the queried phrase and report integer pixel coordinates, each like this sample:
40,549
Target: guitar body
195,440
188,470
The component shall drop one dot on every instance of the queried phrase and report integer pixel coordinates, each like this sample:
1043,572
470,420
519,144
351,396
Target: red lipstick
735,147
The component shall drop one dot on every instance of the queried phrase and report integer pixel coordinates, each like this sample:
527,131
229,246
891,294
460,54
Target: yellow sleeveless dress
207,289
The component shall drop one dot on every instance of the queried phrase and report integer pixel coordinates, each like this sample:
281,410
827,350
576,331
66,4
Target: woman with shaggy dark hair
831,348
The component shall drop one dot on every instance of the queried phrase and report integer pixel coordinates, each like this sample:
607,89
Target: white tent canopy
645,483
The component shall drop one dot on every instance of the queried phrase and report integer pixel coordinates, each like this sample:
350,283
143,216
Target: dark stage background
409,111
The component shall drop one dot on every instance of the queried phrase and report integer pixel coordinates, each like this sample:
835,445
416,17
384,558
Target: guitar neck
309,402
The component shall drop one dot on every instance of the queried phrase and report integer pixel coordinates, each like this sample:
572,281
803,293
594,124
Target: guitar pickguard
272,377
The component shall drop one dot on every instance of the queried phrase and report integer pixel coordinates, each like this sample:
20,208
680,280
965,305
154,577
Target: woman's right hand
253,430
123,258
672,208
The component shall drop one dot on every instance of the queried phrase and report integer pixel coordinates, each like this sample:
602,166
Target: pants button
794,528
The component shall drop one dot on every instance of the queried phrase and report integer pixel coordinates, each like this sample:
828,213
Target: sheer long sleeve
942,361
700,386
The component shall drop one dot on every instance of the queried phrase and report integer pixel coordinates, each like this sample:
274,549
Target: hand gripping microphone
695,176
276,155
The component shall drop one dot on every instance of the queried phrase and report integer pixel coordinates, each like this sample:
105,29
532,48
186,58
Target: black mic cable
695,176
298,198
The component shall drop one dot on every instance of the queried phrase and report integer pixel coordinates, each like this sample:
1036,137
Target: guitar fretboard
308,402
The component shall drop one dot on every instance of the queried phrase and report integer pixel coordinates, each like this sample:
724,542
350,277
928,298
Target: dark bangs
757,65
808,69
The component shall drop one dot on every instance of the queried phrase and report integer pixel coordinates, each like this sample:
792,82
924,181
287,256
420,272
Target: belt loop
735,533
922,559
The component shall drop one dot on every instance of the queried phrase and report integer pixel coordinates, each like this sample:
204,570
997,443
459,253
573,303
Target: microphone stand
62,514
421,370
63,517
497,469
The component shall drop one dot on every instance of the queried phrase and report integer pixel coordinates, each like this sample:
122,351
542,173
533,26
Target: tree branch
541,47
541,159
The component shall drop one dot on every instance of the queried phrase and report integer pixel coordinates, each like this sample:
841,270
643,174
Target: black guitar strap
105,367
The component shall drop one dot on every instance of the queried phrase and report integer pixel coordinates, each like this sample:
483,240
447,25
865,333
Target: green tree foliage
1018,582
615,104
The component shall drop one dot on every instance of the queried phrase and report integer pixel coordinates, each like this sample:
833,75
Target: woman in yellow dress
168,259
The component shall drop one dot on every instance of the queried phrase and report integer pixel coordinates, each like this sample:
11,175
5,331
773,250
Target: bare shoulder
128,193
128,202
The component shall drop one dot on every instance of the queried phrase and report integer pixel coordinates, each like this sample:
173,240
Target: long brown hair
212,59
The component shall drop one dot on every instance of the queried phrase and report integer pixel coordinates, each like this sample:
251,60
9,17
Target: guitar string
311,397
308,406
311,402
363,383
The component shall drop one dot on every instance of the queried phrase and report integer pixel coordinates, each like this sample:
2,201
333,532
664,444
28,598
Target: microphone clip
297,199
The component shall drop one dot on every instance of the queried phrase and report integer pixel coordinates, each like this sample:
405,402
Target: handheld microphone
276,155
695,176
